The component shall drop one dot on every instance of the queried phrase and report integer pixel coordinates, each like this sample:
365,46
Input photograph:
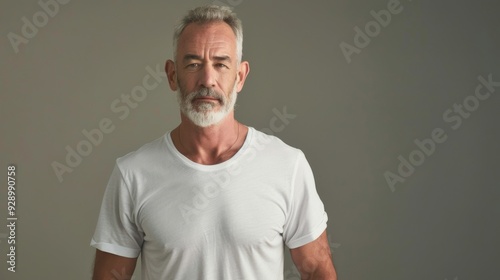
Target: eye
193,66
221,65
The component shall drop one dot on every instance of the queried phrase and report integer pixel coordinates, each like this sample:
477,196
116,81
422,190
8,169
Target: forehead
197,38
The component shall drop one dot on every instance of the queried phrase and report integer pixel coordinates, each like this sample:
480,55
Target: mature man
213,198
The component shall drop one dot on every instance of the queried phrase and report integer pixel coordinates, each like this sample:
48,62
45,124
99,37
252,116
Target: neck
209,145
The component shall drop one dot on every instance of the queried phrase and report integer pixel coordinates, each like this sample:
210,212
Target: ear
171,74
242,74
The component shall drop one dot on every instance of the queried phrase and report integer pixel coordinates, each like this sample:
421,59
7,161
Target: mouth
206,99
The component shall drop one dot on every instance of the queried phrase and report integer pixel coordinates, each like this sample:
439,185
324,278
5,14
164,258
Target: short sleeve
116,230
306,218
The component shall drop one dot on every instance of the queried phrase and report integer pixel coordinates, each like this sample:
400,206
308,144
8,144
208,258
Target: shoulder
274,146
147,155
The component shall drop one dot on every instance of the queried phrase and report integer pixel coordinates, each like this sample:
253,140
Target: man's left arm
314,260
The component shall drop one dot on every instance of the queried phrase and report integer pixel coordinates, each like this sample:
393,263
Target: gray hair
208,14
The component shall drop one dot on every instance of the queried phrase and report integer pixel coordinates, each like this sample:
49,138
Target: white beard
206,114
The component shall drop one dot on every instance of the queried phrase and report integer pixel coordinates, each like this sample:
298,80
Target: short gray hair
208,14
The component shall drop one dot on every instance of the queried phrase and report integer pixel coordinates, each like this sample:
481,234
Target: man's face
207,72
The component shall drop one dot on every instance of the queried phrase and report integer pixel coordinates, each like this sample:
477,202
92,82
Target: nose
207,76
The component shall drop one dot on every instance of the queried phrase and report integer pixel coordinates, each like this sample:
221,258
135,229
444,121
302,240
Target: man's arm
113,267
314,260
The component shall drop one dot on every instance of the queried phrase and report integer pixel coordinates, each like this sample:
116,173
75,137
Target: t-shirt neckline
214,167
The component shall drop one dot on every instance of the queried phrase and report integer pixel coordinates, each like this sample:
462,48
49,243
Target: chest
215,210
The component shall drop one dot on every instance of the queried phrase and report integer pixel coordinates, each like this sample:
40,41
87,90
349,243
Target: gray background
353,121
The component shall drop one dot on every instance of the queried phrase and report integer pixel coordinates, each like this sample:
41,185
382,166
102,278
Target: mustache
207,92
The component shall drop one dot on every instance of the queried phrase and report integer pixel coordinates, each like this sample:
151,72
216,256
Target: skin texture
206,58
112,267
314,260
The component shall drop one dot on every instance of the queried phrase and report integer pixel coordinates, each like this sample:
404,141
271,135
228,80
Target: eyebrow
188,57
222,58
191,57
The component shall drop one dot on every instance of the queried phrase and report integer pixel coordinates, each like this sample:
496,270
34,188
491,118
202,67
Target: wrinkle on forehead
214,38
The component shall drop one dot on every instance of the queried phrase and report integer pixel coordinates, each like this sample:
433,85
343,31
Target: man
213,198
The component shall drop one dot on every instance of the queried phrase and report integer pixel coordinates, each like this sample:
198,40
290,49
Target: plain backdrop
355,121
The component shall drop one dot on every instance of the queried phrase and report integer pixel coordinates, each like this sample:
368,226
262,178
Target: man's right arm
112,267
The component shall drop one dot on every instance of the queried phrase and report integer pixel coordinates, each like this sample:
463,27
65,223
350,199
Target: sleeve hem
115,249
311,236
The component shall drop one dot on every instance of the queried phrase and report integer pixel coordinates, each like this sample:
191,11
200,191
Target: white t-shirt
224,221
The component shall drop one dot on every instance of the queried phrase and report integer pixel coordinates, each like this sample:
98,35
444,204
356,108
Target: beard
206,113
